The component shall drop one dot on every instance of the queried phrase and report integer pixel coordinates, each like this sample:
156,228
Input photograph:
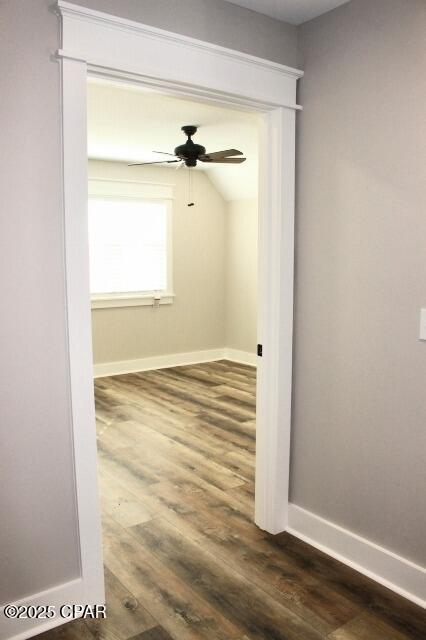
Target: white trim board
143,299
206,65
118,367
19,629
392,571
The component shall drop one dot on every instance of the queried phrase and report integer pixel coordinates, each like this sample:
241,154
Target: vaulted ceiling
293,11
126,124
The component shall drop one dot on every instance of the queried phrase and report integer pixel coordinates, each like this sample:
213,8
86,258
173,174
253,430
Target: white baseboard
21,629
242,357
398,574
156,362
173,360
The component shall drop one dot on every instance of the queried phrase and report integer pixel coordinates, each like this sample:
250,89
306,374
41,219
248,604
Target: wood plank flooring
183,559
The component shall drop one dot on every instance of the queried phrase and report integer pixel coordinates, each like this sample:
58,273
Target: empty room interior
173,283
213,365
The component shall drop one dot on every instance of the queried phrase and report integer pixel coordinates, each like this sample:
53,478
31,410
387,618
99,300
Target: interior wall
359,280
241,274
37,457
359,438
214,21
196,319
38,532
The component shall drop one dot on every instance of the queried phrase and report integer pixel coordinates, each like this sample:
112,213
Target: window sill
105,301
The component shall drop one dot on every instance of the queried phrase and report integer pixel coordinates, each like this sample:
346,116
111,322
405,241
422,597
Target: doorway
173,275
228,78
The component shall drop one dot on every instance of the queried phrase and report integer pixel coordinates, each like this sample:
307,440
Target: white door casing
111,47
120,49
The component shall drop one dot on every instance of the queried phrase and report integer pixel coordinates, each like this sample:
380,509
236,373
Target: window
130,252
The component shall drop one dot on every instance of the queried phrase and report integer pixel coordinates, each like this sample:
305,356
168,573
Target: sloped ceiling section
293,11
127,123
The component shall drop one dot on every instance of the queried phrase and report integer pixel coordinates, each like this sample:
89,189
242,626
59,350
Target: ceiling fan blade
139,164
226,161
220,154
165,153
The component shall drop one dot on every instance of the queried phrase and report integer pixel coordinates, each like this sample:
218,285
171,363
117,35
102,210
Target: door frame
122,50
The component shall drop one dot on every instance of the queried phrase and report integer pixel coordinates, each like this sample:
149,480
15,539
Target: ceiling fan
191,153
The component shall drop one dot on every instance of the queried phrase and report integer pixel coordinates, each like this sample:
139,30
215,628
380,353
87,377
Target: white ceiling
293,11
126,123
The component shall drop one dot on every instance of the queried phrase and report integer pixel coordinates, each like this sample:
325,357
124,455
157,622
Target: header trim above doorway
73,11
195,63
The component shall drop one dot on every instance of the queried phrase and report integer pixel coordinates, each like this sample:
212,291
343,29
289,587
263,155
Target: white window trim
101,188
138,299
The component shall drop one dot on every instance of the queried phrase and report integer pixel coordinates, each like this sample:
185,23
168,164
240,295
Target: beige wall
214,277
359,436
36,454
196,319
241,275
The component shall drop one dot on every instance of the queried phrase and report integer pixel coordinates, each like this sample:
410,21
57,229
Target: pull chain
190,203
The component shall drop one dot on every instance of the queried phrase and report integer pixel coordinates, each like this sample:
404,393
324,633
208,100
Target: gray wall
38,538
214,21
358,451
359,404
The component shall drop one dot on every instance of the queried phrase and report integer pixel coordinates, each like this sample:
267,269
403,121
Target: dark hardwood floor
183,559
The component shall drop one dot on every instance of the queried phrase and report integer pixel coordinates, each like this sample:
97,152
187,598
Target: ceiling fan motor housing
190,152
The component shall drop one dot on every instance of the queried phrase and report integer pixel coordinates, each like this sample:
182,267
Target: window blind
128,245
